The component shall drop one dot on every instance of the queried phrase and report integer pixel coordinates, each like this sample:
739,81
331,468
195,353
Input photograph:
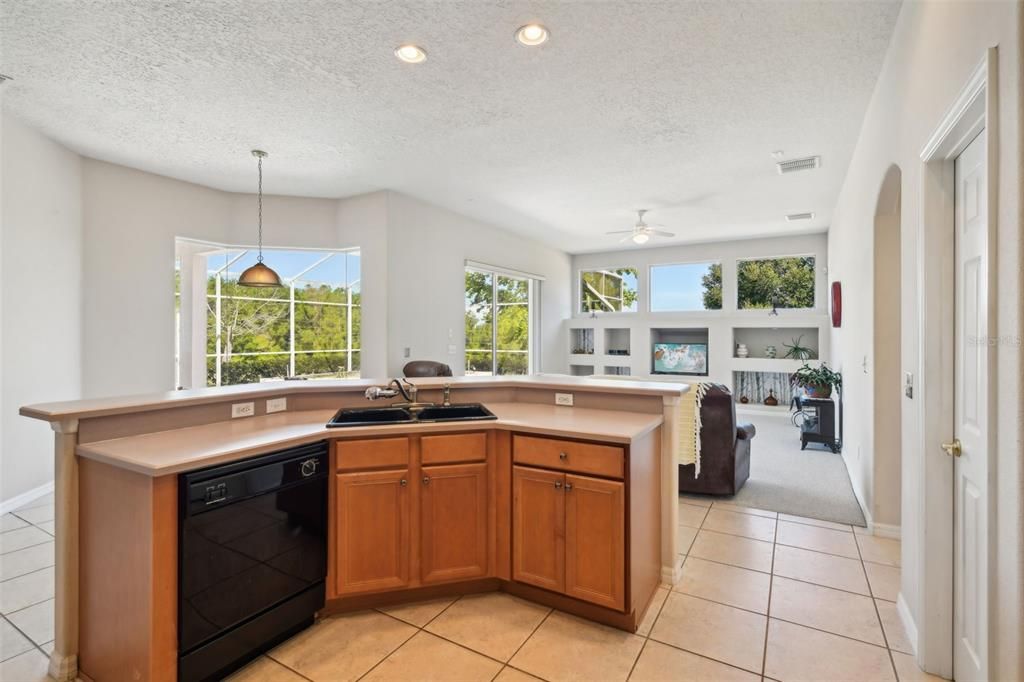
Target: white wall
935,48
41,298
427,250
719,323
130,220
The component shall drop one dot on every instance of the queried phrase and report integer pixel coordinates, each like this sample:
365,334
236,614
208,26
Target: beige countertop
101,407
172,452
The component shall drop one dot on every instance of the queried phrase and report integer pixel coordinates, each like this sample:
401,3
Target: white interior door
970,527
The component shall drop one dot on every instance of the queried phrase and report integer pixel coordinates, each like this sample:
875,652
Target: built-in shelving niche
755,387
617,371
581,341
581,370
758,339
616,341
677,335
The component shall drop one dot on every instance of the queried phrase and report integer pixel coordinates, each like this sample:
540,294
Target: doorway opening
888,388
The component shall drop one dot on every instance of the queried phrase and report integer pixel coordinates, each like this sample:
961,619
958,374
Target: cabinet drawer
565,455
372,453
453,447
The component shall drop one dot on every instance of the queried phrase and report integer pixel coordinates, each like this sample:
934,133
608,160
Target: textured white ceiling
671,106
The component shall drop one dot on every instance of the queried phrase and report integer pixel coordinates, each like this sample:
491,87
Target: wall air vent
799,216
794,165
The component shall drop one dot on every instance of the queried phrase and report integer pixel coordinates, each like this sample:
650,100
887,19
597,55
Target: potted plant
798,351
817,381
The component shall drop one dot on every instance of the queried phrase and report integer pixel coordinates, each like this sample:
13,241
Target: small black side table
820,424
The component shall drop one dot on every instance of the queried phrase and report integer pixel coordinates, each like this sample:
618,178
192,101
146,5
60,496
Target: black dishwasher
252,557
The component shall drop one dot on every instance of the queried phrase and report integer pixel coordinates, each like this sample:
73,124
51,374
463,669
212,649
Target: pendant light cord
259,200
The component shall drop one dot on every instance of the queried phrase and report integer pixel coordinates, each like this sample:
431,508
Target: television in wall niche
681,358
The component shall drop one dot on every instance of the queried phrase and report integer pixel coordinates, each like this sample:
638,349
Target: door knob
558,485
563,456
954,449
404,482
568,487
426,480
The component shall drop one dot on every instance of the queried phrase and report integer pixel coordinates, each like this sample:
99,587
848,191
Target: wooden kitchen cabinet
454,522
538,528
595,549
372,531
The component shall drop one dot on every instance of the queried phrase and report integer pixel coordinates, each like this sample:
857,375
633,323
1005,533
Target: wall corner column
64,659
671,566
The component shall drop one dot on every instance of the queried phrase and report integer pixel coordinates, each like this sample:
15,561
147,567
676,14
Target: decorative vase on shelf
770,352
741,350
744,399
771,400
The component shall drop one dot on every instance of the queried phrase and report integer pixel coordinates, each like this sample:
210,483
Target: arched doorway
888,381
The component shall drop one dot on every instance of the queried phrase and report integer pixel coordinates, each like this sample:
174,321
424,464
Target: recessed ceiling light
532,34
411,54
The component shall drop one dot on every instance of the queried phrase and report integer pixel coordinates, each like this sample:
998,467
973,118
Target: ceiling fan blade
620,232
627,238
663,233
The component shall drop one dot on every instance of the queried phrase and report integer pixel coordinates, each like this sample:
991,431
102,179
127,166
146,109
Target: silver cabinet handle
568,486
426,480
558,484
563,456
404,482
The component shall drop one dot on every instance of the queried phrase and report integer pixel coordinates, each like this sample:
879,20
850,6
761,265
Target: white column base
63,668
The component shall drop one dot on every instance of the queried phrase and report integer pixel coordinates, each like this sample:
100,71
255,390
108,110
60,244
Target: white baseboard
885,530
670,578
908,621
26,497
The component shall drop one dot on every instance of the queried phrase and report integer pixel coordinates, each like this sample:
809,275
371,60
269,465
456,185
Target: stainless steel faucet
402,387
447,395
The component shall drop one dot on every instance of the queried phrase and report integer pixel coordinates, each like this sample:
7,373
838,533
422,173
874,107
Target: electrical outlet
406,352
563,399
243,410
452,349
277,405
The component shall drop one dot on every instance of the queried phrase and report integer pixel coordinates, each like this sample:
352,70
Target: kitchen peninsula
571,506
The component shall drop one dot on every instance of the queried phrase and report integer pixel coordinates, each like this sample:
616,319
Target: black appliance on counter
252,557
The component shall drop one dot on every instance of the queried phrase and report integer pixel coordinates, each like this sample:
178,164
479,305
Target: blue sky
678,287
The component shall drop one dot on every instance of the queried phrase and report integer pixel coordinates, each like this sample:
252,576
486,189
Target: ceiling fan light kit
641,232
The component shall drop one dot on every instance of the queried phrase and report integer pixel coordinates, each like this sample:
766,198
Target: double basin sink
378,416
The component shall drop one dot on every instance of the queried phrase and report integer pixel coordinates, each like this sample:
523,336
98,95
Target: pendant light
259,275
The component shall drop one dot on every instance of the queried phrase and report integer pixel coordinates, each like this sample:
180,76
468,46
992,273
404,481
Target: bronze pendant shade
259,275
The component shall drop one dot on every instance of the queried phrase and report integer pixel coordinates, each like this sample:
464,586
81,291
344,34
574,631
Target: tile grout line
38,647
768,615
878,615
418,630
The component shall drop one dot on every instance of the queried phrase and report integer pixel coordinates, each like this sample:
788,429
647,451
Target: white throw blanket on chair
690,425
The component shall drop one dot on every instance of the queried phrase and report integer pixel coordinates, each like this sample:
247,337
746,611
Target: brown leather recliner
725,448
426,368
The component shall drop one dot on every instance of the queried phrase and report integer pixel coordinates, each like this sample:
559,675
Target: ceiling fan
641,232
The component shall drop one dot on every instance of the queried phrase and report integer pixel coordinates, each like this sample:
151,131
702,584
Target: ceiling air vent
799,216
794,165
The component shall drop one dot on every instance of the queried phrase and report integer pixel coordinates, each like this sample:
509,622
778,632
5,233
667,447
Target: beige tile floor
26,591
763,597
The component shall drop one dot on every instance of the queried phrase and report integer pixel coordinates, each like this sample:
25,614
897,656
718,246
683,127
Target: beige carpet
813,482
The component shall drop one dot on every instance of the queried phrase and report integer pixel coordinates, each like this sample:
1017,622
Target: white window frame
578,290
533,283
700,311
744,311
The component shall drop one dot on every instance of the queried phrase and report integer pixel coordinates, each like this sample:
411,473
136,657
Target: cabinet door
372,531
595,549
538,528
453,522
